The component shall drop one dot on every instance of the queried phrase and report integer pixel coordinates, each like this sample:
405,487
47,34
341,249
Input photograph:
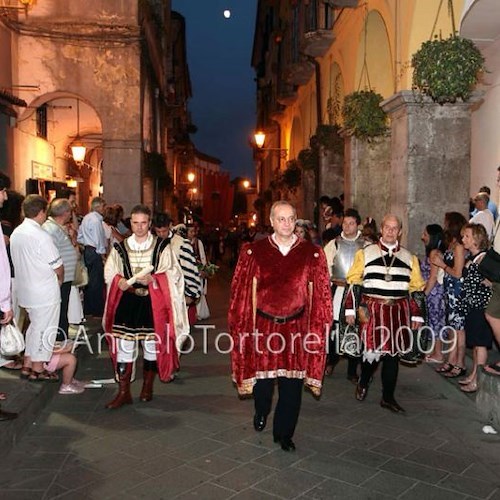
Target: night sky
222,79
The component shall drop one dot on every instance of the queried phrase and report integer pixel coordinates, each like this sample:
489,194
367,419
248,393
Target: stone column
331,173
309,195
121,173
430,164
367,176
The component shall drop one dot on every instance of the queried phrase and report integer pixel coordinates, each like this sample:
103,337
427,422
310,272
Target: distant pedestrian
91,236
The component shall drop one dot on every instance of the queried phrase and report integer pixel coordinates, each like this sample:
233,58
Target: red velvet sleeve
320,319
240,315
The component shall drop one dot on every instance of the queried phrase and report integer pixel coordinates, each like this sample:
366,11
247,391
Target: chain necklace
387,276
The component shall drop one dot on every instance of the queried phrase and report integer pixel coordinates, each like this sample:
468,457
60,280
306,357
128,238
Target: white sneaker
79,383
71,389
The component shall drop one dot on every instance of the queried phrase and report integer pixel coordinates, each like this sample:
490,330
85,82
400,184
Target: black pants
62,334
287,409
390,369
93,294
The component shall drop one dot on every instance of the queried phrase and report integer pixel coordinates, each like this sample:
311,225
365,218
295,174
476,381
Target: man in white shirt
91,236
59,214
39,273
483,215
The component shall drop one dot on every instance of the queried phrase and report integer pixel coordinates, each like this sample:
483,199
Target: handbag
489,267
202,310
11,339
81,274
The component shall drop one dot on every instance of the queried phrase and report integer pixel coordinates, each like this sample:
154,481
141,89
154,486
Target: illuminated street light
246,183
191,177
260,139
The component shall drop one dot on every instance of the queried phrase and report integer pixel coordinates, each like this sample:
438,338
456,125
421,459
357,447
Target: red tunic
167,357
280,286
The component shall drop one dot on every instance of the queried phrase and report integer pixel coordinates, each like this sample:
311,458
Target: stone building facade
101,73
308,55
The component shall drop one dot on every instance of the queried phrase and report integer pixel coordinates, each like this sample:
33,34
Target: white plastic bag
11,339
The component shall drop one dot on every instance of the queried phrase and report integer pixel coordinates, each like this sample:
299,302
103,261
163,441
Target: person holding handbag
6,313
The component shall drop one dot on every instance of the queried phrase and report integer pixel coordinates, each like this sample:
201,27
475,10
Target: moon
227,13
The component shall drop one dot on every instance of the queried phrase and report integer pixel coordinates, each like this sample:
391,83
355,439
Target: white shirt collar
284,249
144,245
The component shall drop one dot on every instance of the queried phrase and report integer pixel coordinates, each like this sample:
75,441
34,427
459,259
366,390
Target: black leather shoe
361,392
7,415
392,405
287,444
259,422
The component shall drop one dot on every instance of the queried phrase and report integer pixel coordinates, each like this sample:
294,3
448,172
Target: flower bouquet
208,270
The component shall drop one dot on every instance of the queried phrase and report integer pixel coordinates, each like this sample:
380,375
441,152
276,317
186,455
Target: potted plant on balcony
363,116
447,70
328,137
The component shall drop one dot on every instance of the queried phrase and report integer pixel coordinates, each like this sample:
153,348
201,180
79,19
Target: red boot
123,397
149,375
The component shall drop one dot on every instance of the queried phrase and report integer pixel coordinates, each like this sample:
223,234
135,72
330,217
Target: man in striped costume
183,250
389,274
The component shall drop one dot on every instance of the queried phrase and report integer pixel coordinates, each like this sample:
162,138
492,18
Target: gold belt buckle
142,292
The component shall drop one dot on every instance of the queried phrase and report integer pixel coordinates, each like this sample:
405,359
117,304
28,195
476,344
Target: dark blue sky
219,56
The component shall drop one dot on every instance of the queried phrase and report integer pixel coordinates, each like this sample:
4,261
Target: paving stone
336,468
365,457
158,465
469,486
430,492
445,461
278,459
214,464
414,471
244,476
168,485
23,494
394,448
388,483
77,477
289,483
207,491
242,452
359,440
332,489
198,449
252,494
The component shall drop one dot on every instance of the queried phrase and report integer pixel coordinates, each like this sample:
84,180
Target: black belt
281,319
90,246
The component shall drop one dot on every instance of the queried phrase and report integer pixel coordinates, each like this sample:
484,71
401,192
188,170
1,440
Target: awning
7,100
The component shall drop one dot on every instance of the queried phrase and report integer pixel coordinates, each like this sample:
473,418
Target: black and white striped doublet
386,276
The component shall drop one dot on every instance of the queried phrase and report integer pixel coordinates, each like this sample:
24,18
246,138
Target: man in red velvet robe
279,318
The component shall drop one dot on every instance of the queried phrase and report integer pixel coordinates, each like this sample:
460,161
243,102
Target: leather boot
123,397
149,374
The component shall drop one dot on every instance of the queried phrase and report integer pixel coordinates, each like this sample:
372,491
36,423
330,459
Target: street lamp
246,183
191,177
78,149
260,139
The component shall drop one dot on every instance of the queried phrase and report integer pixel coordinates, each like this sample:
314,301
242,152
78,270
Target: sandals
456,371
44,376
447,367
471,387
493,369
465,381
25,372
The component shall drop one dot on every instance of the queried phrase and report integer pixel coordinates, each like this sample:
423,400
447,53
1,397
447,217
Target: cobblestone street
196,439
